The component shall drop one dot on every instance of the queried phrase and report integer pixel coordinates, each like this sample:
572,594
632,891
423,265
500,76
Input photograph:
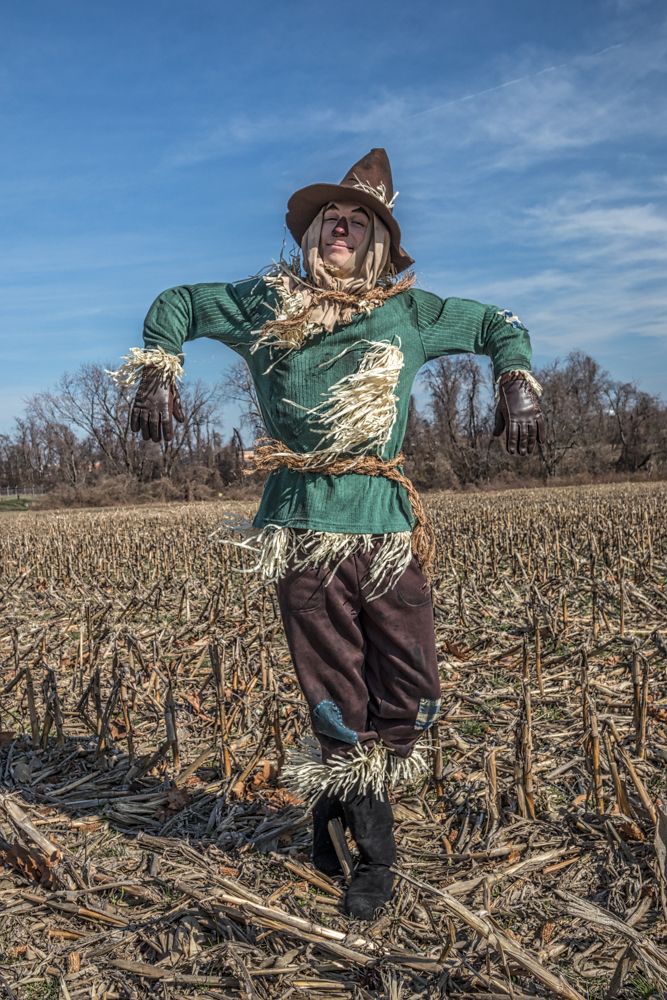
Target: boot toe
370,889
361,907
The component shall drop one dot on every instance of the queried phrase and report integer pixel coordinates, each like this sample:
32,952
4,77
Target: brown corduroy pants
368,669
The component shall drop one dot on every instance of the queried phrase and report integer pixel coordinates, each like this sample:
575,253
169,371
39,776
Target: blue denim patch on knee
328,720
427,713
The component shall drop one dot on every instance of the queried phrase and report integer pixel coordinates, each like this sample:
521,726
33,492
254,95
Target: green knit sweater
422,325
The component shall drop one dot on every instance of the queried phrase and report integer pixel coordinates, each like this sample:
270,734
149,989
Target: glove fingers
144,418
166,426
178,409
154,426
521,439
541,430
499,423
153,405
532,436
512,439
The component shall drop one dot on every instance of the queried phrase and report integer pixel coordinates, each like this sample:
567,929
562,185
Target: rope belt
271,455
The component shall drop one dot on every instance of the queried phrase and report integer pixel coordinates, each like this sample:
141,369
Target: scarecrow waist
270,454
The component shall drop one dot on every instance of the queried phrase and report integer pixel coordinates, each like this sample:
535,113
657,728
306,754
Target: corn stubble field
147,703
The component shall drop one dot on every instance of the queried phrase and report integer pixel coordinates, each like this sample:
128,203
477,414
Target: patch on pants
428,712
328,720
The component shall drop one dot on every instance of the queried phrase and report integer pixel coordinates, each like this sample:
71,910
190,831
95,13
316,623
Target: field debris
149,847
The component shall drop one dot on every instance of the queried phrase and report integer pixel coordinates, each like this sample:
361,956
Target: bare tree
90,403
239,388
460,407
573,401
639,426
78,435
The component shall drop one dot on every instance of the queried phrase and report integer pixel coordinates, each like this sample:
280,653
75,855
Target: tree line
596,428
75,441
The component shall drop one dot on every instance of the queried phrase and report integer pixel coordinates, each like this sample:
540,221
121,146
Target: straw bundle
129,373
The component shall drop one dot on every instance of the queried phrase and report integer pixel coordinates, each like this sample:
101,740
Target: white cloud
284,126
543,111
636,230
603,290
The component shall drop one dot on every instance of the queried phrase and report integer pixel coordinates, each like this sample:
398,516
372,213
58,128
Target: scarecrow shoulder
427,307
465,326
254,292
228,312
439,313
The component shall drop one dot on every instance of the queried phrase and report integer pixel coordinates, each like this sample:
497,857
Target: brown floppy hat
367,183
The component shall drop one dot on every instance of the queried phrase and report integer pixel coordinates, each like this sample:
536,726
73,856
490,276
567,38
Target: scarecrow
334,343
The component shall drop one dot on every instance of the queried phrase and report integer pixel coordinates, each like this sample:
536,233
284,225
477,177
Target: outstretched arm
225,312
456,326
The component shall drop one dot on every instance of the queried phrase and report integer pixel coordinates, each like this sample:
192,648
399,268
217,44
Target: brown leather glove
519,414
155,403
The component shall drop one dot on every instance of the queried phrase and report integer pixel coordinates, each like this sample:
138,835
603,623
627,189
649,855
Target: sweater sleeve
463,326
230,313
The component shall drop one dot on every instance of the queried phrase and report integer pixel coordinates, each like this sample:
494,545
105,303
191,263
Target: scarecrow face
343,230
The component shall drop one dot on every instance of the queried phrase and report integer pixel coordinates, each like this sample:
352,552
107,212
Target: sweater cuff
525,374
169,365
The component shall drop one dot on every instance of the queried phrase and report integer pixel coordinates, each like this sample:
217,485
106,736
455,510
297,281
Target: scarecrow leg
401,662
328,652
338,644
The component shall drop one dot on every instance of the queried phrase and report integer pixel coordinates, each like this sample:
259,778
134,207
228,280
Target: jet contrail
511,83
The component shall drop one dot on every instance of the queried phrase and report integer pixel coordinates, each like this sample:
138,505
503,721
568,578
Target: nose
341,228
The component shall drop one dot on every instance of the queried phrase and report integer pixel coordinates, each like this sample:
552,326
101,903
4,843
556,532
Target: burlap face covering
359,274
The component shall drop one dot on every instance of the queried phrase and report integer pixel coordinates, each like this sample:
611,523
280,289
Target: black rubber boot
325,858
372,824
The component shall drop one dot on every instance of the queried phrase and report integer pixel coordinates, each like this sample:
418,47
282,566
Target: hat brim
305,203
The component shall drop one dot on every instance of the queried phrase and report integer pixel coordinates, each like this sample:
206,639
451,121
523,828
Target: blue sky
149,144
